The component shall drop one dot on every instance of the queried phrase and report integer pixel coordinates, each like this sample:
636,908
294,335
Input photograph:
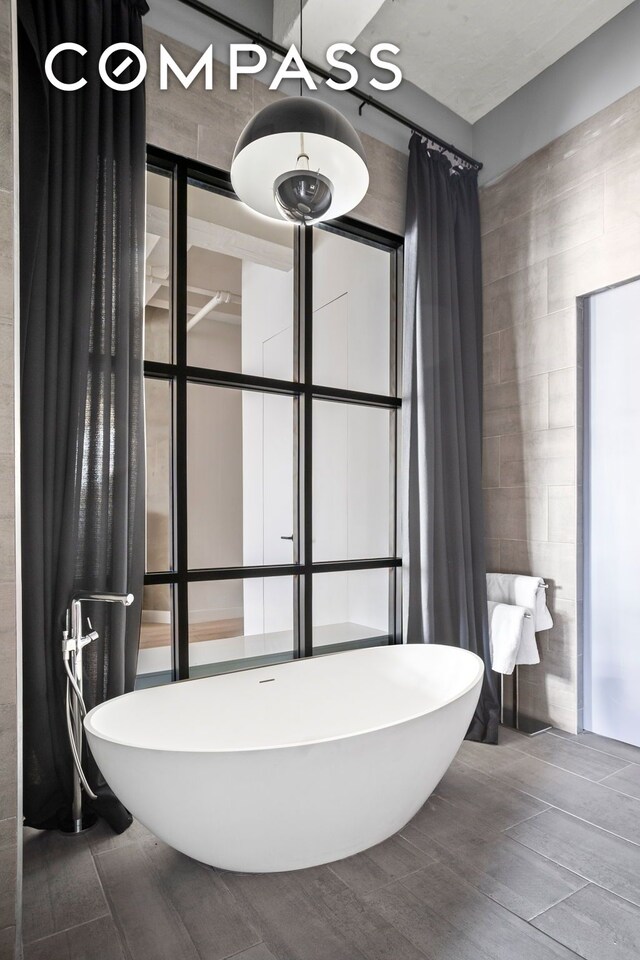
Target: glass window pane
351,313
154,656
240,477
239,288
350,607
351,481
239,623
157,395
157,313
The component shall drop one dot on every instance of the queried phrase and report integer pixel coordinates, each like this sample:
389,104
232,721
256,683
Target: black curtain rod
269,44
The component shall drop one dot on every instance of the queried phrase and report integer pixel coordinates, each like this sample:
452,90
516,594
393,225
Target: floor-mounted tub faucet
73,643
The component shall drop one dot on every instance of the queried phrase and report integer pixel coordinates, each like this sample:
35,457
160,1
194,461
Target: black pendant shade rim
300,115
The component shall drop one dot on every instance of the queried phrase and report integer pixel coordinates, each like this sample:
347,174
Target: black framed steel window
323,390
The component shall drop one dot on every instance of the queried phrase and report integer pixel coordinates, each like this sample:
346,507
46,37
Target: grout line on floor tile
126,953
615,774
573,870
114,915
597,826
587,883
239,953
554,806
502,906
527,753
560,943
599,886
526,819
587,746
559,766
503,777
74,926
380,886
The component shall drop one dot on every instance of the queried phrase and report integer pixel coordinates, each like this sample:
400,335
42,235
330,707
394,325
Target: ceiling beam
225,240
323,22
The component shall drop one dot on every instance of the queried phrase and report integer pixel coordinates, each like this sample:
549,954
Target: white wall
215,517
596,73
267,438
351,456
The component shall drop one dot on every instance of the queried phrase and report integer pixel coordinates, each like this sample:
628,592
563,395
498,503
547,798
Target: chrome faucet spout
126,599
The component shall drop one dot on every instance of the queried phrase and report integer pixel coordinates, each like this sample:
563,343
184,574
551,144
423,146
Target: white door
277,480
612,534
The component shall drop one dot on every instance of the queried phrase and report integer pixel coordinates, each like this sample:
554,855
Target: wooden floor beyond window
159,634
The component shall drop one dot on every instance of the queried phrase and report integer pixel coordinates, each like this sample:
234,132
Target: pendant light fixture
300,160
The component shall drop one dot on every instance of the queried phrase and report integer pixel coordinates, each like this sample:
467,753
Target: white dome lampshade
299,159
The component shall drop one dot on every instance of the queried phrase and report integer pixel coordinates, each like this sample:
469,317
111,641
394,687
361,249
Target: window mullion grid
181,546
305,302
304,392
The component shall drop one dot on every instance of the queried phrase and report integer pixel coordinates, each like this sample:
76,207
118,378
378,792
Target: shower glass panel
156,636
239,623
240,482
158,338
352,481
239,288
157,395
350,608
352,328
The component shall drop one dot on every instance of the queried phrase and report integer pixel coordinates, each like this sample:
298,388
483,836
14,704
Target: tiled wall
7,562
205,125
562,224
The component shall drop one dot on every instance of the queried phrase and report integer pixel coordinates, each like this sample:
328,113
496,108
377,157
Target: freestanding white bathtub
289,766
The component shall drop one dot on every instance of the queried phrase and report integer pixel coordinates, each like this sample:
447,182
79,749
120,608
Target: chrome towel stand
522,723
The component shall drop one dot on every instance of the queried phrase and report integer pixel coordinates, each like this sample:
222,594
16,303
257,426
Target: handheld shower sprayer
73,643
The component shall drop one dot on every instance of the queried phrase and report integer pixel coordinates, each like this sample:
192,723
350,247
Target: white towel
524,591
506,629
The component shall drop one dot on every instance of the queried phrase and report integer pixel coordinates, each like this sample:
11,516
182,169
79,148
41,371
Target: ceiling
468,54
222,234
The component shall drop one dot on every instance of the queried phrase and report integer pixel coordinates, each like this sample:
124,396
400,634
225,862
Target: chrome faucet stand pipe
72,652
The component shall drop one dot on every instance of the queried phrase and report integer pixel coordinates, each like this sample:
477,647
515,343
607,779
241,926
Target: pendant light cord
301,55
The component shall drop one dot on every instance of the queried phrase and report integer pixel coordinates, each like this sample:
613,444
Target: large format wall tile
539,457
573,217
519,297
538,346
6,385
595,144
7,644
562,514
560,225
557,560
590,266
516,406
563,397
520,190
516,513
491,462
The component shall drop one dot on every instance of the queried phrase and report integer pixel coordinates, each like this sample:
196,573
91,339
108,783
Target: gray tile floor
529,850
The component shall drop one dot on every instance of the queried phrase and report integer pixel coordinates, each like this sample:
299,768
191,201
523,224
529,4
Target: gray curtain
82,169
444,565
